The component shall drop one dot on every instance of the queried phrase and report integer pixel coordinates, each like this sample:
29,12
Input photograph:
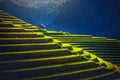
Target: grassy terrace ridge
42,59
34,51
83,63
67,73
21,32
11,28
29,44
38,38
71,35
